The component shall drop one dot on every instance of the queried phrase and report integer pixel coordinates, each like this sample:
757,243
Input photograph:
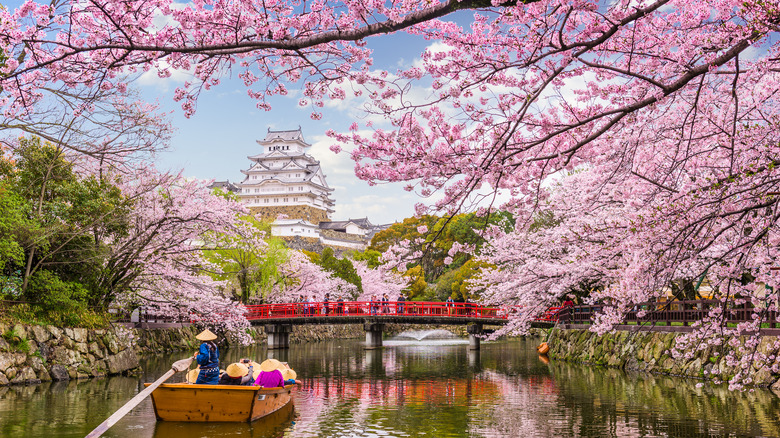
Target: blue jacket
208,357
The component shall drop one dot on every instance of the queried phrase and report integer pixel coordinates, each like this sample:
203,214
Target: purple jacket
270,379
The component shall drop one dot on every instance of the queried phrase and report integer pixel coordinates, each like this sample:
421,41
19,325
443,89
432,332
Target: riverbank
650,352
34,354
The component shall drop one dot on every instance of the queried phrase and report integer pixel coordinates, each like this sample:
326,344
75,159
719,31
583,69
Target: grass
31,314
17,341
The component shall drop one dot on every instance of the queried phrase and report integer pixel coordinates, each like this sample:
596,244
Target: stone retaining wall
40,353
32,354
650,352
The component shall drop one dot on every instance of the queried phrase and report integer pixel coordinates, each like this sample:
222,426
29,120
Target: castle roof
225,185
285,135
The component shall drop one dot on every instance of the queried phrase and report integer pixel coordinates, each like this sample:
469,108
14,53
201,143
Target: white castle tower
284,180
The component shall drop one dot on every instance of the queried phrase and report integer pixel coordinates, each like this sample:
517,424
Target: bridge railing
682,312
370,308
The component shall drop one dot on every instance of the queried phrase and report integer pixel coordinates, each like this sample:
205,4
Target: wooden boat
272,425
214,403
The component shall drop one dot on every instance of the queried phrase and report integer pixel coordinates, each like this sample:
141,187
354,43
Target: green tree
340,267
249,261
440,235
68,220
370,256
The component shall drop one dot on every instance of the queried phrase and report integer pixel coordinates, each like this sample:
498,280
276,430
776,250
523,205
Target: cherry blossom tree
160,262
378,281
669,106
306,279
112,126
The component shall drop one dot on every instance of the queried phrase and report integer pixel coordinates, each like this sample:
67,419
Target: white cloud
151,78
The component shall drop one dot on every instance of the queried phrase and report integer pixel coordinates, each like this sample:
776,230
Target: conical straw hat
255,369
270,365
237,370
206,335
289,374
192,375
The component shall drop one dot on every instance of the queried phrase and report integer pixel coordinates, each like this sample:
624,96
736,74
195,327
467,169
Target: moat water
417,388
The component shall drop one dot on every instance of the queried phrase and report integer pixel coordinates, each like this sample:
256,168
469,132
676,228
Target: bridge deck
357,312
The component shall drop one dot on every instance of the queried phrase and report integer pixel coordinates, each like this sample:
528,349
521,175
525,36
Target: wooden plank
217,403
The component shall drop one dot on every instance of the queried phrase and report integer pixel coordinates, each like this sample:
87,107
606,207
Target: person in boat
238,374
208,359
289,375
270,375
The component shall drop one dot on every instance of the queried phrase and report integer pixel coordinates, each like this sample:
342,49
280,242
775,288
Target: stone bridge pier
373,334
278,335
474,331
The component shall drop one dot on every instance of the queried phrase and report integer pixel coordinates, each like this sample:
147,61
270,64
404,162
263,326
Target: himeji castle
286,185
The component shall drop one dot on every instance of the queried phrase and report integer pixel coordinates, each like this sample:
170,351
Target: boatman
208,359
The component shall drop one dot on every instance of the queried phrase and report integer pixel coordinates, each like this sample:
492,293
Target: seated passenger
289,375
270,376
237,374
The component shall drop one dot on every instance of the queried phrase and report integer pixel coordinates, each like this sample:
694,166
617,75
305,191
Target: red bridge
279,318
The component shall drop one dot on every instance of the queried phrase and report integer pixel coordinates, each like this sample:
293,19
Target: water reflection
417,389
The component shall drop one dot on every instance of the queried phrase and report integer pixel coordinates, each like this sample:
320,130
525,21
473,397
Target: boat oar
178,366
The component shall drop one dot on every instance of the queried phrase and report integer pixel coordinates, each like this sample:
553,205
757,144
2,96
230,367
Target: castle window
266,200
286,199
291,189
297,175
276,199
254,176
295,199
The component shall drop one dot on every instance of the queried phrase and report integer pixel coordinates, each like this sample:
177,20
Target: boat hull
217,403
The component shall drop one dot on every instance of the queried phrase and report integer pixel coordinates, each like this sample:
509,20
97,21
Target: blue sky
215,142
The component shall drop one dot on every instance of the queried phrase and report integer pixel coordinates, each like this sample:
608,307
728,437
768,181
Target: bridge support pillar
373,335
278,335
474,331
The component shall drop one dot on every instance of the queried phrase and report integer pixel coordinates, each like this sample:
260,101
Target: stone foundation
307,212
650,352
41,353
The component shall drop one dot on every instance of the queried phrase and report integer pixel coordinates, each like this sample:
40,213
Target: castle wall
306,212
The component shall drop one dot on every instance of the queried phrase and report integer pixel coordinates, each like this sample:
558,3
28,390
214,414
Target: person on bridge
374,306
340,305
326,304
208,359
385,304
450,304
400,306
